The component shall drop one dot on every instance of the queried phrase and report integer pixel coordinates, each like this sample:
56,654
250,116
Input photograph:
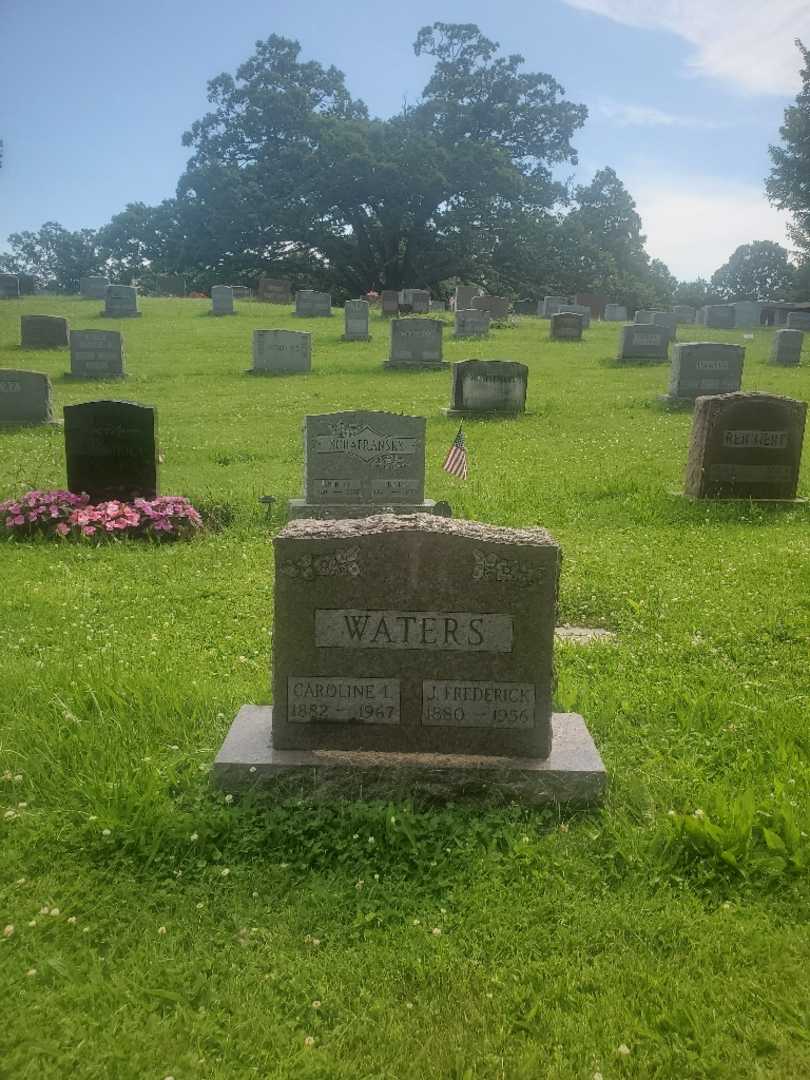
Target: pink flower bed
62,514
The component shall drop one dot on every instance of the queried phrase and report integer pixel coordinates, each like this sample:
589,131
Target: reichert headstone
745,446
704,367
465,295
643,341
222,300
281,352
798,320
497,306
121,302
389,299
93,287
96,354
786,350
566,326
43,332
416,344
362,463
355,320
313,305
488,388
9,287
111,450
470,322
615,313
26,397
274,290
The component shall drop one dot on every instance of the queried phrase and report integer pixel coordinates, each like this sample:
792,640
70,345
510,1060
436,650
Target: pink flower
63,529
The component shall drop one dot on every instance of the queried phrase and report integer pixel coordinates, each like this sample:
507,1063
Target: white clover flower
359,884
72,920
698,813
229,799
22,805
54,912
224,871
623,1049
316,1004
106,832
254,894
408,1004
436,931
194,836
252,769
309,1041
18,778
161,930
8,931
20,881
30,973
416,922
200,906
10,815
33,923
44,910
355,836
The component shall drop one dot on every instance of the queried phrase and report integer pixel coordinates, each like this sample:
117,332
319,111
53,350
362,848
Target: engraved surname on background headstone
712,365
365,444
447,703
751,474
454,631
765,440
315,699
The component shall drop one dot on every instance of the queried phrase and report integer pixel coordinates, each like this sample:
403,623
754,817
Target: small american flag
456,461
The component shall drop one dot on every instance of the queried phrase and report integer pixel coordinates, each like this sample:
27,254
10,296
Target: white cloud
648,116
694,224
748,43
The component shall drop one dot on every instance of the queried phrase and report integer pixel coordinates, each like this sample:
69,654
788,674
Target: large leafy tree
788,185
54,256
757,271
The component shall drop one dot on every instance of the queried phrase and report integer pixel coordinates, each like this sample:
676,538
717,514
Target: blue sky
684,96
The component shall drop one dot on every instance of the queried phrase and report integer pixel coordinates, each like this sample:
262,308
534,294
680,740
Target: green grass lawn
189,936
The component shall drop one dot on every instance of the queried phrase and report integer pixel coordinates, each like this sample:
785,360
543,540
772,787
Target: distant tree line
289,176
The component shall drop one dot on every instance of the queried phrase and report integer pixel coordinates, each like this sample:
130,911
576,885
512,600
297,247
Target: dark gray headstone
355,320
416,343
26,397
93,287
525,307
496,306
437,306
747,314
553,304
111,450
222,300
121,302
668,319
798,320
313,305
96,354
566,326
705,367
488,387
414,633
745,446
464,296
786,349
684,314
470,322
171,285
43,331
274,290
615,313
390,302
281,351
643,341
419,301
718,316
9,287
240,292
643,316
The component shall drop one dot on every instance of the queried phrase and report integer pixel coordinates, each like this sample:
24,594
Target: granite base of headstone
281,352
44,332
416,345
488,388
96,354
121,302
111,450
746,446
414,654
26,398
786,349
703,367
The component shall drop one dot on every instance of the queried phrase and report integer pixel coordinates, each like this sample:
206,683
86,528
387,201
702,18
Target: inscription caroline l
456,631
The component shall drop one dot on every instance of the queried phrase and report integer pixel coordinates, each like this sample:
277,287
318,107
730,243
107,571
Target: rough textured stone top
426,523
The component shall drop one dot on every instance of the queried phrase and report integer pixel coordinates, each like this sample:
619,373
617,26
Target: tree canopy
758,271
788,185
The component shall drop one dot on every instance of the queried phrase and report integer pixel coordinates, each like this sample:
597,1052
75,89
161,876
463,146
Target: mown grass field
191,937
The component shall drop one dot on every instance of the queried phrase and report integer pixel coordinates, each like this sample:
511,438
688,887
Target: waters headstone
43,331
361,463
566,326
96,354
355,320
496,306
747,314
798,320
274,290
9,287
111,450
745,446
313,305
704,367
470,322
684,314
786,349
26,397
615,313
121,302
643,341
464,296
390,302
488,388
416,344
93,287
281,351
718,316
222,300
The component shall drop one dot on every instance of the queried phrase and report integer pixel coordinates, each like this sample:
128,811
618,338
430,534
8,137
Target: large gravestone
704,367
643,341
274,290
747,314
26,397
390,302
684,314
361,463
414,654
171,285
496,306
745,446
566,326
281,352
470,322
43,332
798,320
313,305
93,287
355,320
786,349
416,344
121,302
111,450
615,313
718,316
419,301
96,354
9,287
222,300
464,296
553,304
488,388
667,319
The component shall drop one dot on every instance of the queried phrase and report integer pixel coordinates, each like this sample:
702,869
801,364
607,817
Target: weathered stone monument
615,313
416,344
281,352
389,299
222,300
488,388
111,450
355,320
96,354
747,314
93,287
43,332
313,305
26,398
786,349
362,463
419,301
684,314
9,287
412,651
718,316
745,446
553,304
496,306
643,341
643,316
798,320
667,319
240,292
566,326
121,302
464,296
170,285
704,367
471,322
274,290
